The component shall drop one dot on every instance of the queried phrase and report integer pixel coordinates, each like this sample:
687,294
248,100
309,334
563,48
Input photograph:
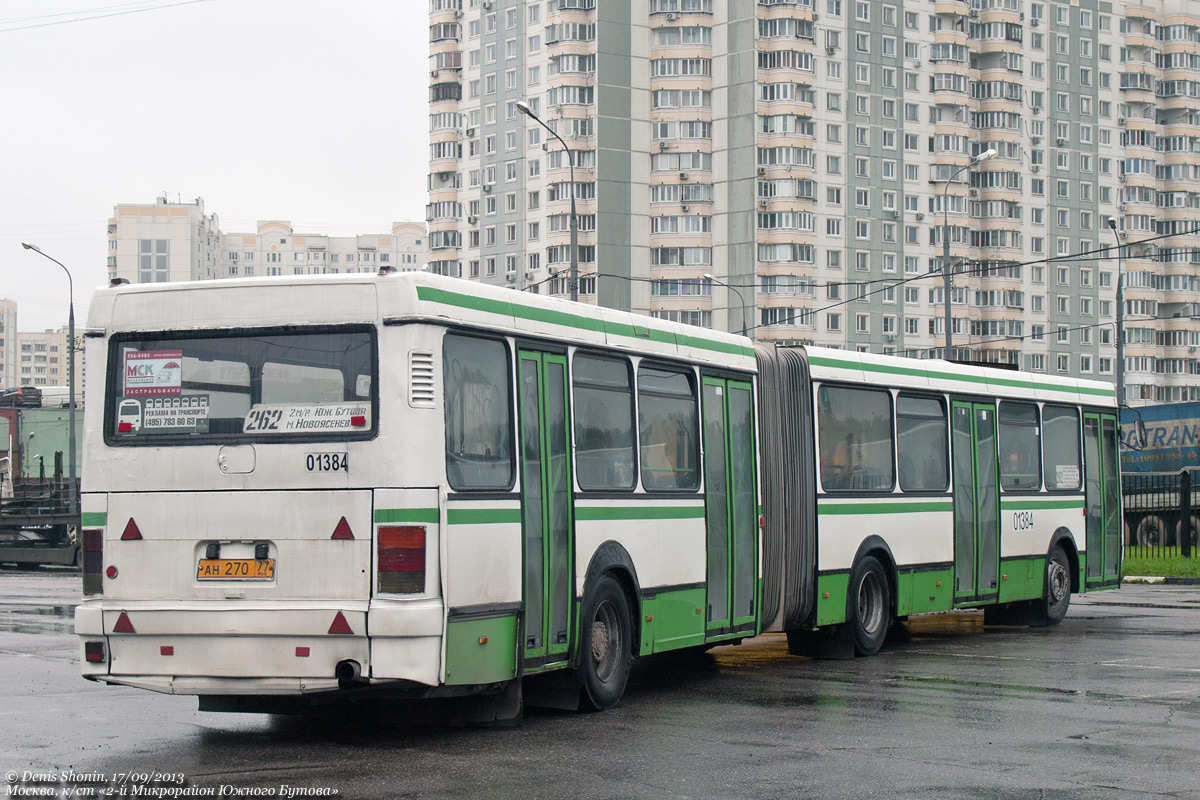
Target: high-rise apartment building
45,362
9,358
790,167
165,241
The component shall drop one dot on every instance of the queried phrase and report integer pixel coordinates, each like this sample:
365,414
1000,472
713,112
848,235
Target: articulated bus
299,491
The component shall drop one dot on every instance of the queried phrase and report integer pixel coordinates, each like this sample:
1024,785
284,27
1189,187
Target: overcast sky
307,110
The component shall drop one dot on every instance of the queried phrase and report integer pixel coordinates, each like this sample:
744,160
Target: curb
1169,581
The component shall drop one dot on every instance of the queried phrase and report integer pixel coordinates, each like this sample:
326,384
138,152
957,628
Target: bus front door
1103,488
546,507
976,502
731,511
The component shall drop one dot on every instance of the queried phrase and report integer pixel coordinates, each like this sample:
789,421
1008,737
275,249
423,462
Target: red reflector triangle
131,531
340,625
123,624
342,531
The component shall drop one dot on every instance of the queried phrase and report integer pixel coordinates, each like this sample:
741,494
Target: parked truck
1161,479
39,504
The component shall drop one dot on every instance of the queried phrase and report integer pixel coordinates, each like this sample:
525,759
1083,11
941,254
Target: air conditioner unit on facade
662,145
1061,142
920,215
895,215
1120,120
830,50
762,203
683,176
1035,168
1037,140
973,192
974,12
672,17
487,187
1037,110
1035,22
684,209
471,220
470,132
762,170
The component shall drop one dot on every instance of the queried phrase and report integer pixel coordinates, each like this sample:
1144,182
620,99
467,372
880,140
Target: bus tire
1189,528
1152,531
79,559
870,605
606,647
1056,597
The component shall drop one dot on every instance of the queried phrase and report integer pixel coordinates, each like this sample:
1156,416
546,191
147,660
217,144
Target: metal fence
1162,513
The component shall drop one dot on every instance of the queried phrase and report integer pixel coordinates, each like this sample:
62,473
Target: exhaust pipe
348,671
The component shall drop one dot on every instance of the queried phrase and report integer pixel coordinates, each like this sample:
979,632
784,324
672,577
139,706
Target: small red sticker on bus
358,421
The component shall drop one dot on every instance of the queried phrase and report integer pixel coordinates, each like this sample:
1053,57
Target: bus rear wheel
1188,530
870,605
1057,596
606,647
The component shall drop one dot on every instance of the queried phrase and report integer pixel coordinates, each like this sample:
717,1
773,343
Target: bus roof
398,298
832,365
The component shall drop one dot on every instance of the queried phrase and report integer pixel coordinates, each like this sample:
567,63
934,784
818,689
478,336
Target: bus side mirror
1140,433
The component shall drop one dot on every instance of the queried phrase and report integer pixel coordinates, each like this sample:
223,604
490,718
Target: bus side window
668,422
1060,444
921,442
1020,462
478,413
855,428
604,438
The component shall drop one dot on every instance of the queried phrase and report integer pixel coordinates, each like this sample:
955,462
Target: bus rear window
245,386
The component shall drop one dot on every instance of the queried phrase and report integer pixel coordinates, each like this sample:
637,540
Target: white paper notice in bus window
1067,475
174,413
314,418
153,373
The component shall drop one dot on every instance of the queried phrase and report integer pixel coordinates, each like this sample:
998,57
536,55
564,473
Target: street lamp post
984,156
1112,224
524,108
73,501
741,299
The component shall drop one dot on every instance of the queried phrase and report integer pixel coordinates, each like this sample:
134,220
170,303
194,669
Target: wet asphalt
1107,704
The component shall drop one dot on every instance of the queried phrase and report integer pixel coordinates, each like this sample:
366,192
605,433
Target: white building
9,352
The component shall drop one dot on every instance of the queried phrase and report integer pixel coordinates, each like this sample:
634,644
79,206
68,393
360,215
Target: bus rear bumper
259,651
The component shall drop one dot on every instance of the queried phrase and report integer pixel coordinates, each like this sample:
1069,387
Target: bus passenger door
546,508
976,502
1103,497
731,512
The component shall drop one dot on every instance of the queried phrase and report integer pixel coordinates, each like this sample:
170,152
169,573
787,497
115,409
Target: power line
47,20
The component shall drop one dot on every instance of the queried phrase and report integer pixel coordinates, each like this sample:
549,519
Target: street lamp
72,503
741,299
1112,224
984,156
524,108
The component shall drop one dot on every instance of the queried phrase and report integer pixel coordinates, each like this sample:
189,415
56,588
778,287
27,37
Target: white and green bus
306,490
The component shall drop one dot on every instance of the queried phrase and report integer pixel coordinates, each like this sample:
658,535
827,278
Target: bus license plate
236,569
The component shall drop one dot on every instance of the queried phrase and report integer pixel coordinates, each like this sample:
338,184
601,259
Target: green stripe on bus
607,513
1037,503
483,516
566,319
383,515
885,507
93,519
926,372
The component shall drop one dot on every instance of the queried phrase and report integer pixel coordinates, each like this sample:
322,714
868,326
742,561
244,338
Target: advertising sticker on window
153,373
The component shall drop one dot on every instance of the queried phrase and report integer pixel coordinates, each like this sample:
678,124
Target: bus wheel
606,646
79,559
1151,531
870,605
1053,605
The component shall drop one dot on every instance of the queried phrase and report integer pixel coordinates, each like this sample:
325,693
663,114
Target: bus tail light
93,652
401,564
93,561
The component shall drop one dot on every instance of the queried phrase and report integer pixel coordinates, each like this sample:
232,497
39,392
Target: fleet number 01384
327,462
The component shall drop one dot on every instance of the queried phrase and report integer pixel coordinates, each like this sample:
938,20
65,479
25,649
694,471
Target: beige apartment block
44,362
791,168
9,352
166,241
